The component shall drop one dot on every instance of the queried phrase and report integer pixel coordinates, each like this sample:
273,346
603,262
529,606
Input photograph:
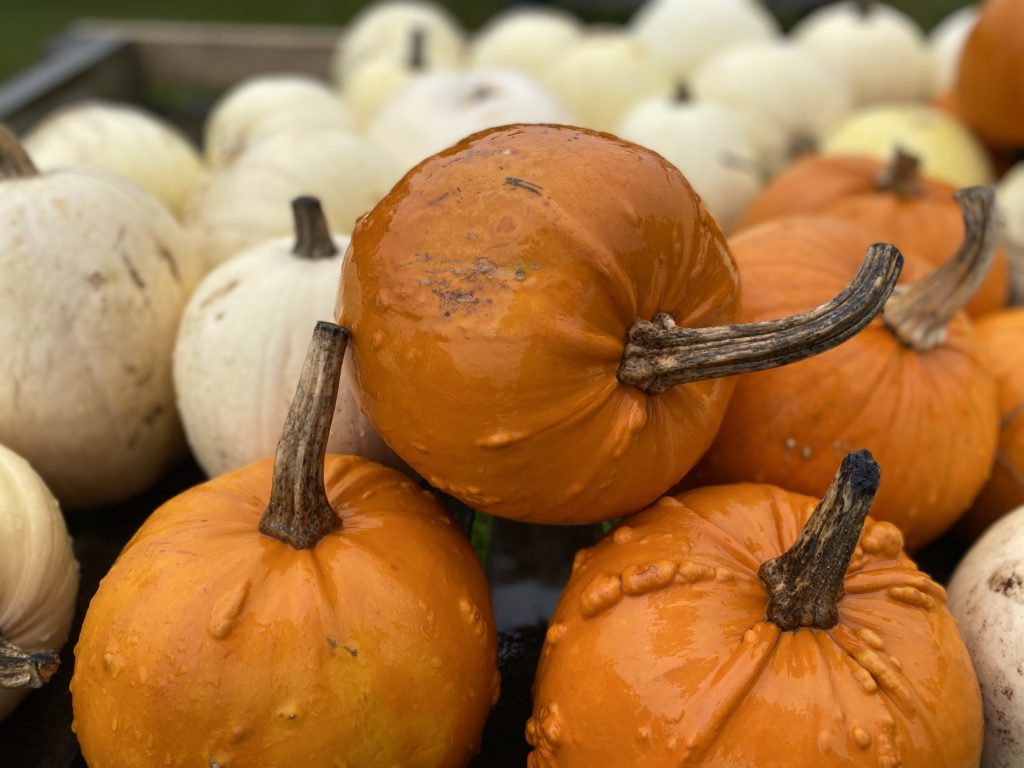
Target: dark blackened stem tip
24,669
312,235
917,314
805,584
902,176
682,93
865,6
659,354
299,513
14,160
418,49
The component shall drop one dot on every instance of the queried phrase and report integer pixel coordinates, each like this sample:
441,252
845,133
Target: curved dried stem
14,160
902,176
24,669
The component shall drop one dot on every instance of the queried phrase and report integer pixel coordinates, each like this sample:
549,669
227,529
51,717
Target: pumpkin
299,611
121,139
237,358
989,86
711,630
94,275
537,318
264,106
373,82
900,388
892,202
986,595
38,581
1010,194
945,43
1000,335
524,38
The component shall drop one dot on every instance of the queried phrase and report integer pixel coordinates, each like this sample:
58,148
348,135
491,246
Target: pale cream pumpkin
525,38
1010,196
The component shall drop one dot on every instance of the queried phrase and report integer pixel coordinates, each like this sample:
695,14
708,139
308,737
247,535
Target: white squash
38,580
685,34
880,51
121,139
241,345
525,38
986,595
707,144
267,105
245,202
945,43
1010,198
94,275
436,109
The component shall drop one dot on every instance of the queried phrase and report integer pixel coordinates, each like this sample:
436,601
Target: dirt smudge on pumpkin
96,279
529,186
218,294
165,254
133,273
1008,583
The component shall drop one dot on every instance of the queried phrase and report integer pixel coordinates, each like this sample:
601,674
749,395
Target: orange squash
989,87
893,203
537,323
1001,335
911,388
301,613
708,630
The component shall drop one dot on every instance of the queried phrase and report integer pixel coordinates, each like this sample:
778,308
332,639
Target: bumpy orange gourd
989,86
371,643
892,203
498,299
663,651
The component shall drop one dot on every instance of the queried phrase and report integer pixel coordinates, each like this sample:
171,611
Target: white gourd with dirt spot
986,595
94,275
525,38
38,576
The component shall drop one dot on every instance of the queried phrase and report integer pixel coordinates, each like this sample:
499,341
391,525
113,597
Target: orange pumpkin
534,317
709,631
911,387
1001,335
305,613
892,203
989,88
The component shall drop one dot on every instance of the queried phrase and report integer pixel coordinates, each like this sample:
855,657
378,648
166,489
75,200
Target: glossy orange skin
209,643
929,418
489,317
659,655
928,228
1002,344
989,87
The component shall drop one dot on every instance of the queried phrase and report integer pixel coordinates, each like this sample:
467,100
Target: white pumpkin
242,342
245,202
121,139
383,30
1010,197
267,105
880,51
436,109
945,43
527,39
94,275
604,75
38,576
787,98
947,149
707,144
685,34
372,84
986,595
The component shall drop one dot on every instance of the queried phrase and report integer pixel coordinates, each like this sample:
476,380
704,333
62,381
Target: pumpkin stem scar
659,354
312,235
918,314
805,584
14,160
902,176
22,669
417,49
299,513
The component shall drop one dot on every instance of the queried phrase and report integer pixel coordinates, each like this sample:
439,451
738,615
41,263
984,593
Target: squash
94,275
1010,194
892,202
709,630
299,611
236,360
986,595
38,581
900,388
525,38
537,318
121,139
372,82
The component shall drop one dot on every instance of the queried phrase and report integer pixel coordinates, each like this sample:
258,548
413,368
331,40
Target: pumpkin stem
919,313
805,584
299,513
418,49
659,354
21,669
312,235
14,160
902,176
